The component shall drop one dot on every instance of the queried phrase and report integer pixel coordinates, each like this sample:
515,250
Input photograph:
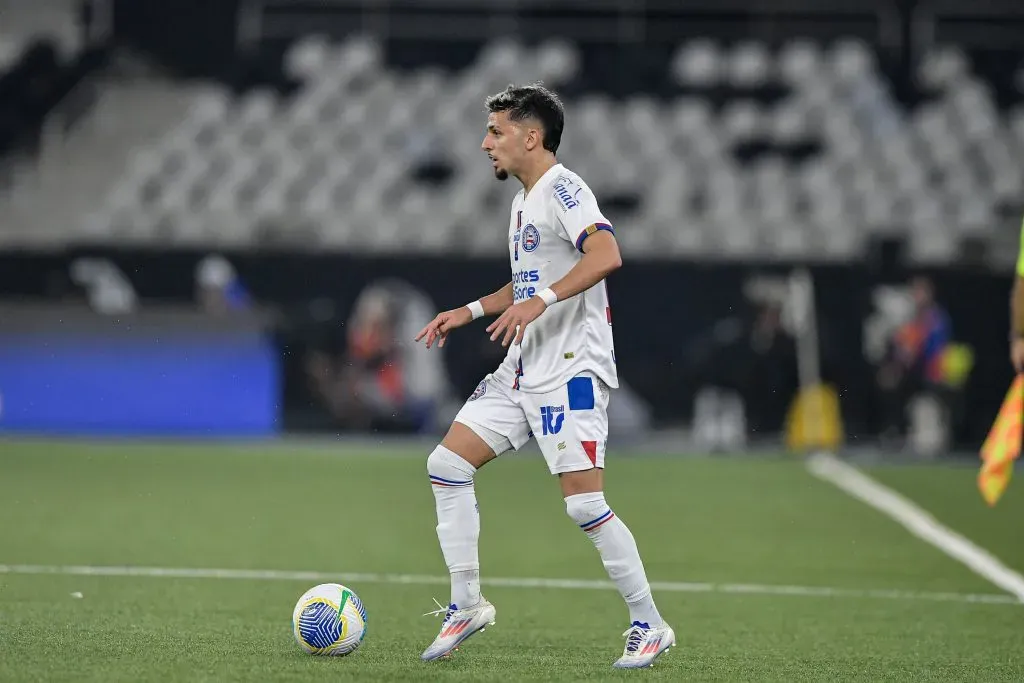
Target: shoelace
634,636
441,609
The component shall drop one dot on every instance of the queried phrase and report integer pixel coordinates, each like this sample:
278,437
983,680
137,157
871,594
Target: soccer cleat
644,644
458,625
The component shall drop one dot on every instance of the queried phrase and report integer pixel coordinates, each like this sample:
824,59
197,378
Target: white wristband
476,308
548,296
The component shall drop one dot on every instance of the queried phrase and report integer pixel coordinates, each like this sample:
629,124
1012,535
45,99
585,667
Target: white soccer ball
329,619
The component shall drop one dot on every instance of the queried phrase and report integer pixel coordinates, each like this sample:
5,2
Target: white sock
458,522
619,553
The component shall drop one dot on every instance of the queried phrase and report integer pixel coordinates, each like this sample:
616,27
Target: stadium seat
802,150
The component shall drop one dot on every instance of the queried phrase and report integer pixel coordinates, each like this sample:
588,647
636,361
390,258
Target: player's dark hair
532,102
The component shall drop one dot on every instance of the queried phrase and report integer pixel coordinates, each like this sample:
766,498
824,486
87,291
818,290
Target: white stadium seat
338,156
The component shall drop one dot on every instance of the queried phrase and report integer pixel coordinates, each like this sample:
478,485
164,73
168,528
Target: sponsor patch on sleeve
566,193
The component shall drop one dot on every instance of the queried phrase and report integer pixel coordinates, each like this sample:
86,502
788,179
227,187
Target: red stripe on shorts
591,448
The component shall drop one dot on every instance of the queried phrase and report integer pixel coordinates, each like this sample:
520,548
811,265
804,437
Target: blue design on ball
319,625
359,606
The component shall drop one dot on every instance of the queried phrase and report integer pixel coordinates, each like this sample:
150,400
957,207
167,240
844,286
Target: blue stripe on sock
450,482
596,521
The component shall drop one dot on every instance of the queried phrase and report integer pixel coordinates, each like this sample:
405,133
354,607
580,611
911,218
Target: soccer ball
329,619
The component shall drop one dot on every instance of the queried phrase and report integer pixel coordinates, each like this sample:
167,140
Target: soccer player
555,380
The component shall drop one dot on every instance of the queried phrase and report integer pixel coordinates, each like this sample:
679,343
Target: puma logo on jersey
565,193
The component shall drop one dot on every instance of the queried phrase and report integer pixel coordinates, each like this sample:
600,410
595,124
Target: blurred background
229,219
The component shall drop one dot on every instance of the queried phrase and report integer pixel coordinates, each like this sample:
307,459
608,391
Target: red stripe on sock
598,526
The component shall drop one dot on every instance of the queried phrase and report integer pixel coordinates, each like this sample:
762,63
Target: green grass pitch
348,511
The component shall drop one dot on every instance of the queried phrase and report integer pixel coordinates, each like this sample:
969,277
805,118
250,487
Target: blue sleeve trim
590,230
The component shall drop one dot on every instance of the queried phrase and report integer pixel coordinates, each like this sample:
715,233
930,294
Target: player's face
501,144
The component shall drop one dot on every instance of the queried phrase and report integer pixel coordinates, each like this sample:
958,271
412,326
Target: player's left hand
519,315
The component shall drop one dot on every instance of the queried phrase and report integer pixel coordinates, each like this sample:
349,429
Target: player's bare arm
445,322
600,258
1017,311
498,302
1017,324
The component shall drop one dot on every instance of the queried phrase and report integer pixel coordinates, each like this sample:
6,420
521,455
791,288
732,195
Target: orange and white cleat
459,624
644,644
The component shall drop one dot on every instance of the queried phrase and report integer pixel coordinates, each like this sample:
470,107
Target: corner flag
1003,445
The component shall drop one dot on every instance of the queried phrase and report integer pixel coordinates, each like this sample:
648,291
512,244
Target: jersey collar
548,174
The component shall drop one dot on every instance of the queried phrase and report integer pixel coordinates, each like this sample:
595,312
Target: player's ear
532,139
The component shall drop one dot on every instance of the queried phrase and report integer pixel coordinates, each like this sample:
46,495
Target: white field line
917,521
354,579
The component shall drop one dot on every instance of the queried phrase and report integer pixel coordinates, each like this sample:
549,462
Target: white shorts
569,423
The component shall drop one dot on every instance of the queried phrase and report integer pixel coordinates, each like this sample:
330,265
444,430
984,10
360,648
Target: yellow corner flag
1002,446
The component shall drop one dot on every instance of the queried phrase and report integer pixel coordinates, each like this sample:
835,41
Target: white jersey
545,241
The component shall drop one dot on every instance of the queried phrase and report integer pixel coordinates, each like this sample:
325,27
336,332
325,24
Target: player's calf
621,558
458,522
617,548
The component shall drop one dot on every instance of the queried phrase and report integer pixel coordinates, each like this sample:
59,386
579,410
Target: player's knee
588,510
447,468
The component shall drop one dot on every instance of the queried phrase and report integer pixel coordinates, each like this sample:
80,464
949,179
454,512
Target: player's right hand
439,327
1017,354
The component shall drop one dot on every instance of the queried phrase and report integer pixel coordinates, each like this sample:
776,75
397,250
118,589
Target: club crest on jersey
480,390
531,238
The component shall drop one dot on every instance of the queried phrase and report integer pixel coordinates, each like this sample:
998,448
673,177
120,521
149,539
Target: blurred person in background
381,382
767,370
914,360
218,287
748,356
